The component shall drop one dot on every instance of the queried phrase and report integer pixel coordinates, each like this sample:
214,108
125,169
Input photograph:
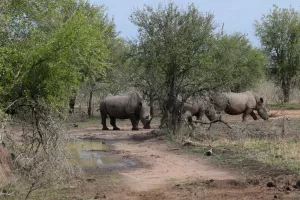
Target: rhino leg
253,115
113,123
134,122
103,121
247,112
200,115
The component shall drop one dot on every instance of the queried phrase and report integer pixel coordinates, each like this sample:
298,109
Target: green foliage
236,64
178,54
279,33
48,47
170,50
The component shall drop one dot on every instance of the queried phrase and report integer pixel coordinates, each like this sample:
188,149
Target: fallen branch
212,122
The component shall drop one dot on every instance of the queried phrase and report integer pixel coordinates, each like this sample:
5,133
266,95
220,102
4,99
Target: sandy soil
165,172
161,164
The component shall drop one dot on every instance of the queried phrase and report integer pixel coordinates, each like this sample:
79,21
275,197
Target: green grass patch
286,106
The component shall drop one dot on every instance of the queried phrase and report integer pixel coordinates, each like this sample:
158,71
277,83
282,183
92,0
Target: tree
172,44
46,54
236,64
47,48
279,33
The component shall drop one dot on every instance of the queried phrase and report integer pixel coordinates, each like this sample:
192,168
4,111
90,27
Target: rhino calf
125,107
200,109
241,103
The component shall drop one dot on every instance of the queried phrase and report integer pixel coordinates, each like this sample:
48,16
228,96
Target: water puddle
91,153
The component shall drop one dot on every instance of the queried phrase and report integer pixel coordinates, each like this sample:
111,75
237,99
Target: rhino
129,106
200,109
240,103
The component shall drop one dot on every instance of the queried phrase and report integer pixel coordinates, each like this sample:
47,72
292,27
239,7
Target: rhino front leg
247,111
253,115
200,115
134,122
103,121
113,123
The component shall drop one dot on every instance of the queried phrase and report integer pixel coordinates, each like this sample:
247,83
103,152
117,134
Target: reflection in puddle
89,153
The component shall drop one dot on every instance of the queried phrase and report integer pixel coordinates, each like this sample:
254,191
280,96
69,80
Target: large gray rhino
200,109
240,103
125,107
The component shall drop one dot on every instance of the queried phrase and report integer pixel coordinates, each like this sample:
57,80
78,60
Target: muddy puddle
92,153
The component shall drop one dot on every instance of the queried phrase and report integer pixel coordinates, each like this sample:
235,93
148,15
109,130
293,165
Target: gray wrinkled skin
241,103
125,107
200,109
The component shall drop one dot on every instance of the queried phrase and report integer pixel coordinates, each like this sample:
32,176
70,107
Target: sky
237,15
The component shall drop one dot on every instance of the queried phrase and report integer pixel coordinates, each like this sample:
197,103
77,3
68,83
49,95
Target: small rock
75,125
278,156
275,196
4,191
296,186
90,179
270,184
210,181
288,188
208,153
97,196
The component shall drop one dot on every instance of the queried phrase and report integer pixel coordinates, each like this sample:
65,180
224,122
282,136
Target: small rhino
240,103
200,109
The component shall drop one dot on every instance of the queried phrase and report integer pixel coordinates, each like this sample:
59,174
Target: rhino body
200,109
125,107
241,103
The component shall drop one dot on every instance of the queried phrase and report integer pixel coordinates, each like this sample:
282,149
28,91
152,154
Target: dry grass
274,143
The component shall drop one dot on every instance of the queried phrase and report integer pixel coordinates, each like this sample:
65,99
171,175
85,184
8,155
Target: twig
6,194
212,122
11,104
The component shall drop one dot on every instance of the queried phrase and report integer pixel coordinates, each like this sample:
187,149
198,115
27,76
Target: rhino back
119,106
239,102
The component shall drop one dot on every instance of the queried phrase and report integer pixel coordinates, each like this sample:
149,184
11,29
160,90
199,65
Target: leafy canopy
279,33
49,46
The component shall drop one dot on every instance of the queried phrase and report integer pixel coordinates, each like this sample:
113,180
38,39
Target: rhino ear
261,100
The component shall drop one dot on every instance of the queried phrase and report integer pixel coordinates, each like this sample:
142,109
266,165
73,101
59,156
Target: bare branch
212,122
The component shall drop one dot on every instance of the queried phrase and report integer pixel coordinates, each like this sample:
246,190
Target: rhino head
145,115
262,109
210,112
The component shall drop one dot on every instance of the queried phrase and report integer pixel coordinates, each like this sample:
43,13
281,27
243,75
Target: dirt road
160,164
163,172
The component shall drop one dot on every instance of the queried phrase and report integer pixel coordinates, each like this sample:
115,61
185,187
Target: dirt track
161,164
165,172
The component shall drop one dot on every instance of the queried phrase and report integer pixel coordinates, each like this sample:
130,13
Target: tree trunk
171,114
90,104
286,90
72,104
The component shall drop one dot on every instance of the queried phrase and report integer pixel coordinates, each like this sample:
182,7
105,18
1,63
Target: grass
279,153
262,148
285,106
